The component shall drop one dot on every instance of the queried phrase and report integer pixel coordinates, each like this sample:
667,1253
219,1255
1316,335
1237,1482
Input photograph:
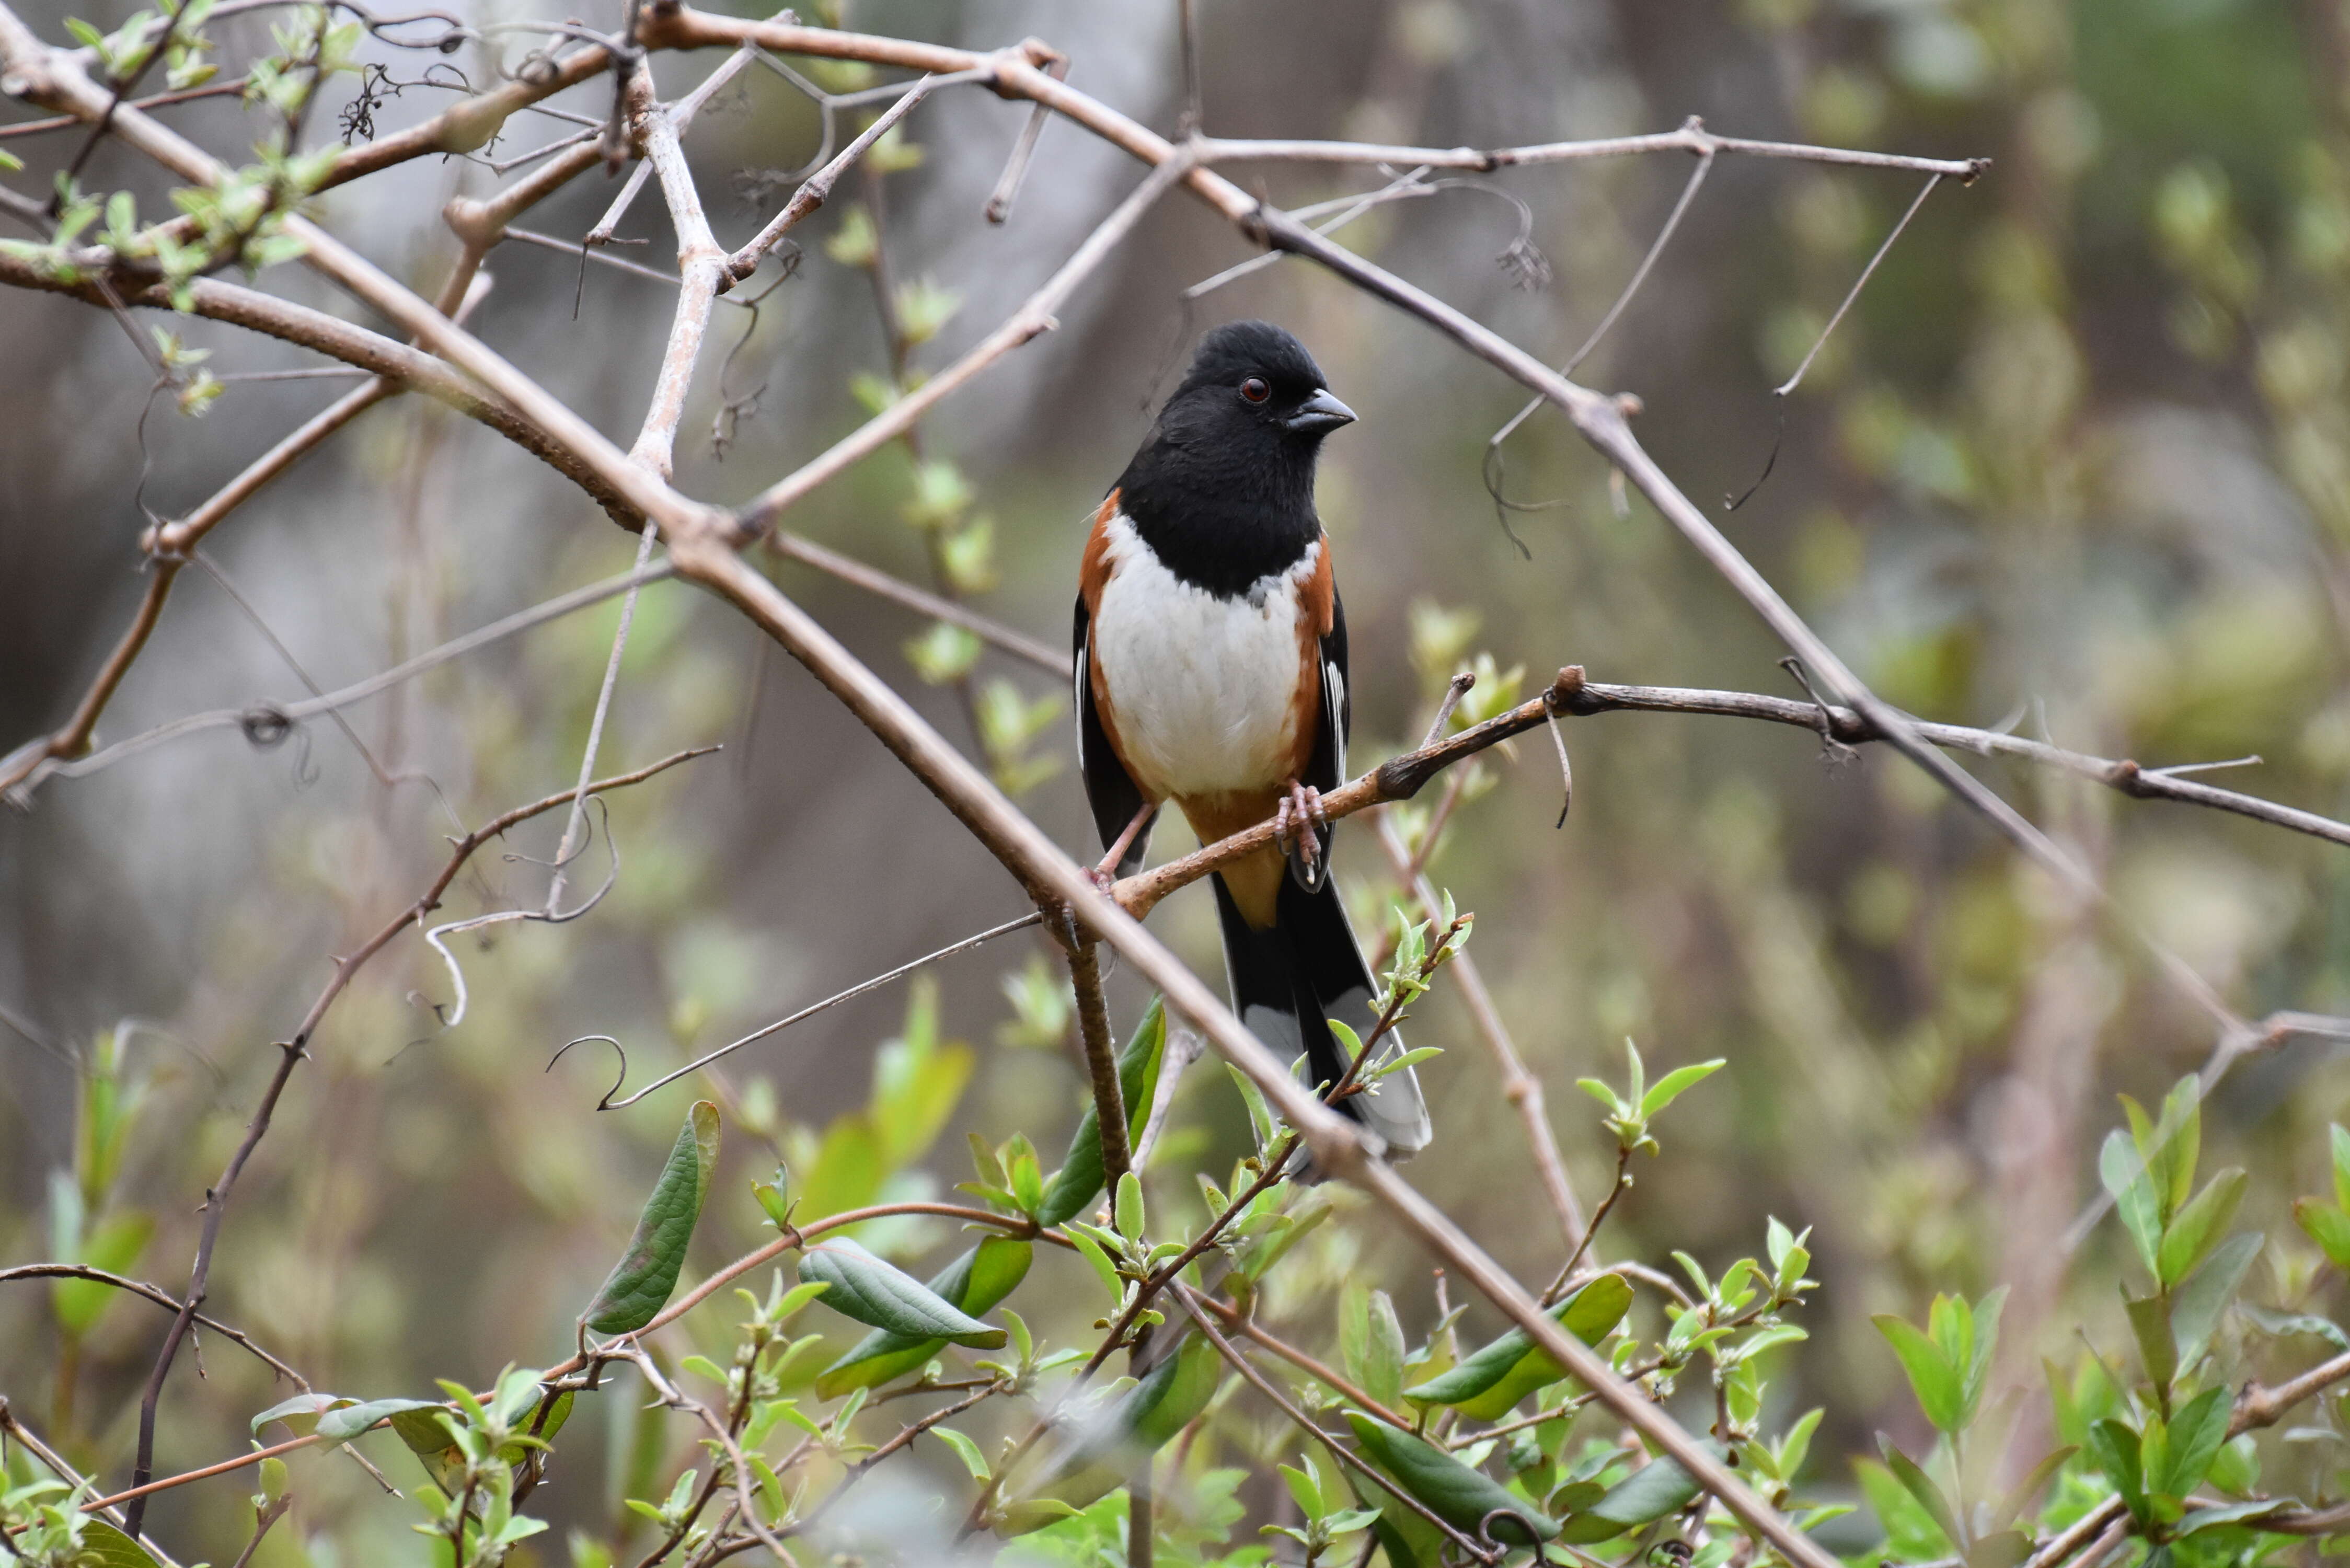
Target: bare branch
1692,137
160,1297
816,187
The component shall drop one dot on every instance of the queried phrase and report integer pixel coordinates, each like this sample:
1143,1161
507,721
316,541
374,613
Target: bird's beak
1318,415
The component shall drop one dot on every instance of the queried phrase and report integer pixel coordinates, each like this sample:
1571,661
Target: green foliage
1490,1382
1629,1114
1079,1180
1464,1498
1949,1361
640,1284
864,1287
971,1285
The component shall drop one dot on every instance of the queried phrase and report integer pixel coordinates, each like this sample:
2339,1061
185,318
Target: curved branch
160,1296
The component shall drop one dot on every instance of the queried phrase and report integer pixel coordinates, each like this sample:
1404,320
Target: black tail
1289,980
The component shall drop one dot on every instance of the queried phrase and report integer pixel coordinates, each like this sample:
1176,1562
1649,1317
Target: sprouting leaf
640,1284
1104,1270
1656,1488
1463,1498
966,1450
1675,1083
865,1288
1486,1385
1126,1211
1079,1180
973,1283
943,654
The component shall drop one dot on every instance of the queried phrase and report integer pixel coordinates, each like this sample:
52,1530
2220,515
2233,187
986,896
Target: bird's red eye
1255,389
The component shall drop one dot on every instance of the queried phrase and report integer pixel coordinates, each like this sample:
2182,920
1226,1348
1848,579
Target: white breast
1203,689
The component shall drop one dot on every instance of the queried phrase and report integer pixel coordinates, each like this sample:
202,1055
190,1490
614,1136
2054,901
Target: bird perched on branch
1211,671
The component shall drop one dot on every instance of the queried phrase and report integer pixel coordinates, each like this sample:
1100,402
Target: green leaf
1911,1534
1935,1381
2196,1305
1370,1342
2341,1142
848,1171
1127,1211
1919,1485
865,1288
2284,1323
966,1450
1079,1180
1461,1497
916,1081
1656,1488
1171,1394
1487,1385
2191,1234
640,1284
2227,1513
1673,1084
1104,1270
422,1430
115,1247
2123,1173
2196,1430
973,1283
2010,1508
341,1426
103,1546
2150,1319
2327,1225
299,1413
2114,1448
1983,1346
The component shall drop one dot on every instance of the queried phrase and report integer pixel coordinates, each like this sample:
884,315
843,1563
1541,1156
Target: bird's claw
1295,822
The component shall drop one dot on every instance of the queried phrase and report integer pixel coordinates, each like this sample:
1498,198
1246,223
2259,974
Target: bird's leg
1105,874
1298,817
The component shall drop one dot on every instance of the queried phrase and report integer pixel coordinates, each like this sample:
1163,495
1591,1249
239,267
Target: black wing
1110,790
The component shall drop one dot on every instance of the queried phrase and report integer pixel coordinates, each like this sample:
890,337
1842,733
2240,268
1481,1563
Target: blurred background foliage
2078,461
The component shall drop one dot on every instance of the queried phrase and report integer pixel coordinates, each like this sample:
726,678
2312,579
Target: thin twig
160,1297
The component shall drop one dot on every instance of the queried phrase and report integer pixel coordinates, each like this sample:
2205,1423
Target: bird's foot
1105,875
1296,825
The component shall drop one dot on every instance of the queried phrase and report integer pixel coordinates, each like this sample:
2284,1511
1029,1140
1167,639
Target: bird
1210,672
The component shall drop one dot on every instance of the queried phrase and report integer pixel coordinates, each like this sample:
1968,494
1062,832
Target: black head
1223,490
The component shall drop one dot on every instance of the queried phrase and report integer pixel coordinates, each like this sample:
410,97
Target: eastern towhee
1211,671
